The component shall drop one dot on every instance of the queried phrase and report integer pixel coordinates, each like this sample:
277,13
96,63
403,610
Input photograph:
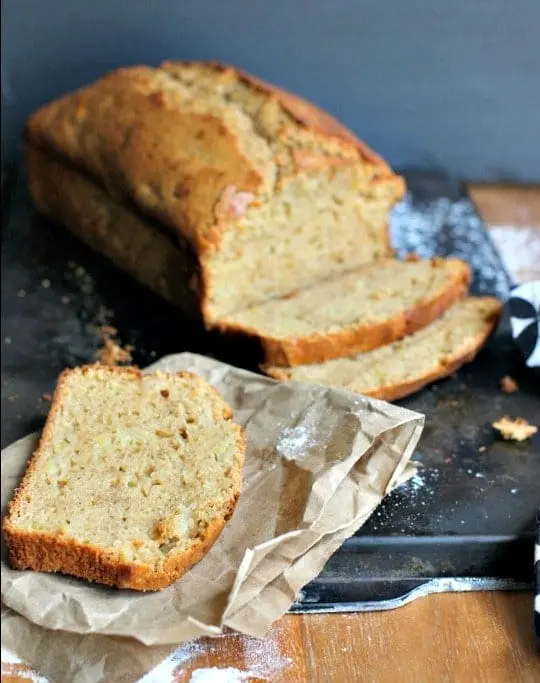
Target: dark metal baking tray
465,522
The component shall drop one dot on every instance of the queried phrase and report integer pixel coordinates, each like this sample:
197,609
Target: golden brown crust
166,169
47,552
44,552
128,131
143,149
317,348
451,364
304,112
165,264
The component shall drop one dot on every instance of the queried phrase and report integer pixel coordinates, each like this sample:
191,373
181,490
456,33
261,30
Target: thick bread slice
406,366
133,480
354,313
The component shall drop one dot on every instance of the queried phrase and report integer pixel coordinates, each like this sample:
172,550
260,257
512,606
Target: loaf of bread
356,312
405,366
133,480
214,188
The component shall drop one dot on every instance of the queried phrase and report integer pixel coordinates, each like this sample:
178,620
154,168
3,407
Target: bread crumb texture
516,429
400,368
356,312
369,296
134,477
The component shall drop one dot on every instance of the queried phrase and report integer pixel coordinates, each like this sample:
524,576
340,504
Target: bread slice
356,312
406,366
133,479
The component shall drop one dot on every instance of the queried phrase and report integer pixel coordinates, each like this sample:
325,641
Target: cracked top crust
194,145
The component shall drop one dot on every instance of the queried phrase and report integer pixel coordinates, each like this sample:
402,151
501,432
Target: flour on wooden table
188,650
164,672
216,675
520,250
262,659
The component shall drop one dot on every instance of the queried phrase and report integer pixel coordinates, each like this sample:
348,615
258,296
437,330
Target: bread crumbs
112,353
514,430
508,385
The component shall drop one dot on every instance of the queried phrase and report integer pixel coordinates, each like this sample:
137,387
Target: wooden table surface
447,638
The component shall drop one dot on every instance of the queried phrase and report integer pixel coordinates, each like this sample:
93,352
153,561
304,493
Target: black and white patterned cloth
524,305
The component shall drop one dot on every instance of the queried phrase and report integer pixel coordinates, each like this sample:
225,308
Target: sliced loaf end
405,366
133,479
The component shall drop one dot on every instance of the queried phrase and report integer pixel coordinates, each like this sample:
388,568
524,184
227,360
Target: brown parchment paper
319,460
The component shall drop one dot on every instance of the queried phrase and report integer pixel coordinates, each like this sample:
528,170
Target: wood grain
513,218
452,638
481,638
515,205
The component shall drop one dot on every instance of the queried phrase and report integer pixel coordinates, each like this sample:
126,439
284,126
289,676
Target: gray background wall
445,84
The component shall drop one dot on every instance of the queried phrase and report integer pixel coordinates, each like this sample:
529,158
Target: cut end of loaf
268,192
134,478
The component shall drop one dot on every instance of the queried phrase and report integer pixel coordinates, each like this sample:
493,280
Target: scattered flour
215,675
294,443
416,482
163,673
13,667
188,650
9,658
417,226
519,249
262,657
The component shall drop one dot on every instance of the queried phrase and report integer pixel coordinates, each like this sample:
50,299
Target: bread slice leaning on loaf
405,366
133,480
214,188
372,306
